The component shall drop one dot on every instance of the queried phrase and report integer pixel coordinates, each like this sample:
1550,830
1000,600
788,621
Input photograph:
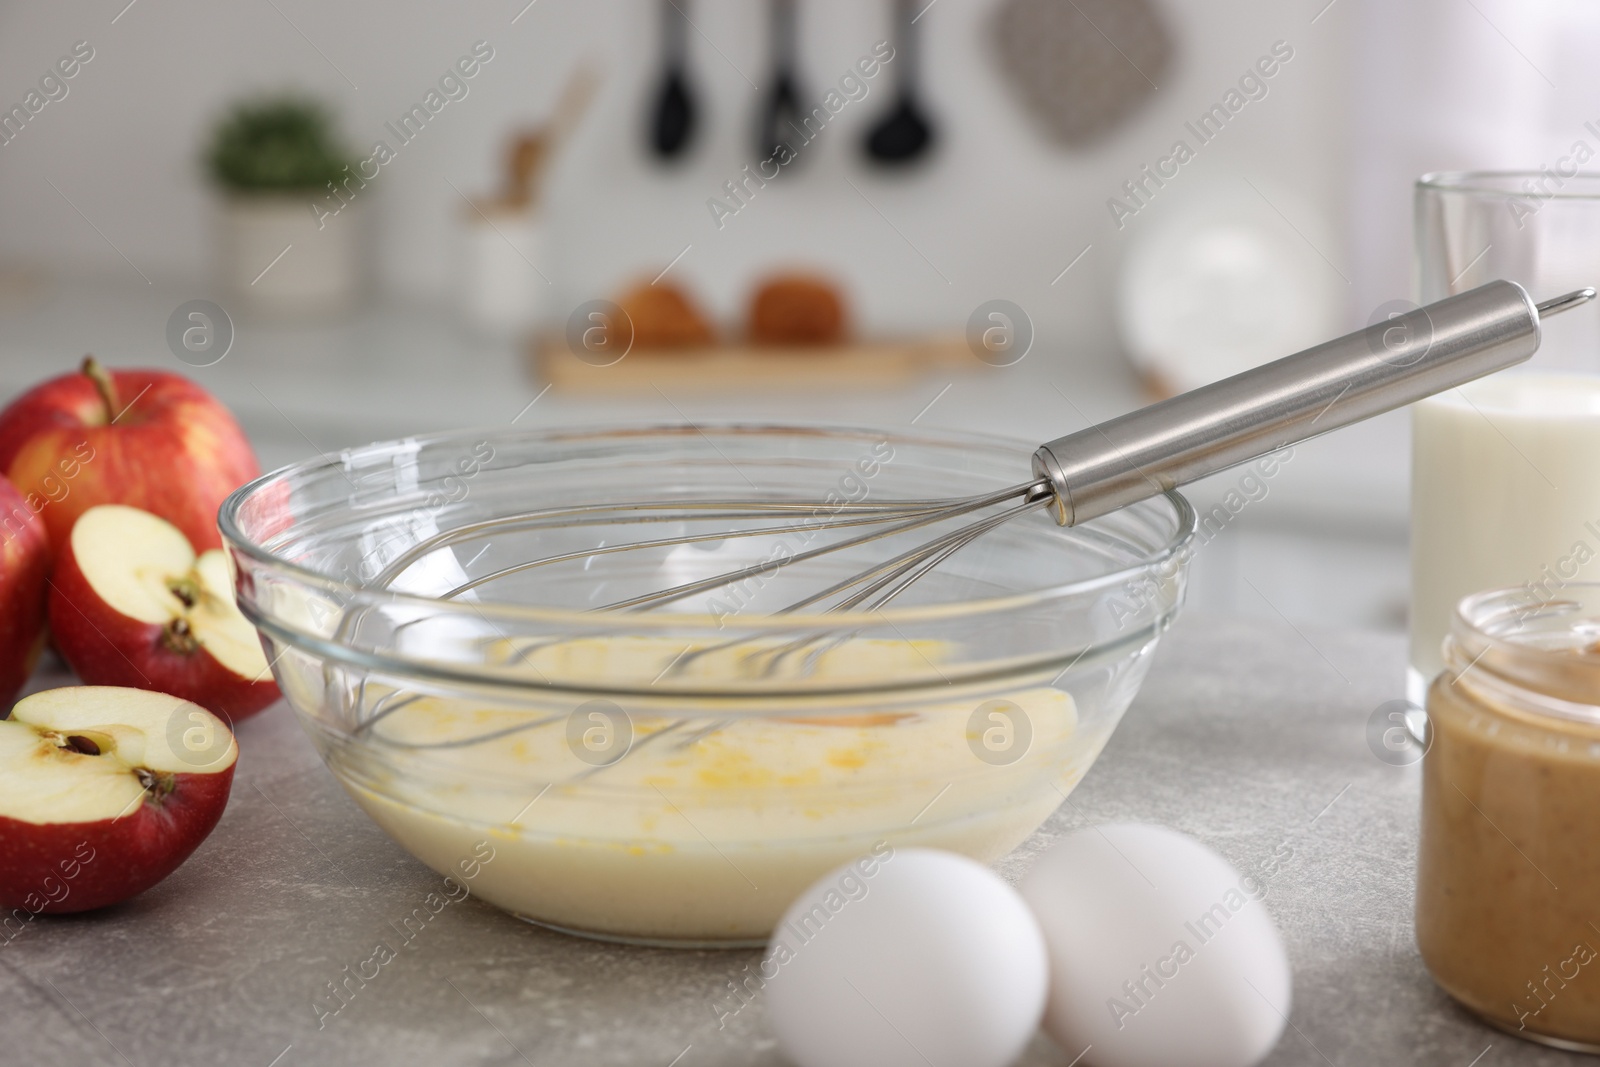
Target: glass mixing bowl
678,775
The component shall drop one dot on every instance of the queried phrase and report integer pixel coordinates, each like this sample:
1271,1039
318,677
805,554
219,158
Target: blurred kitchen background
417,305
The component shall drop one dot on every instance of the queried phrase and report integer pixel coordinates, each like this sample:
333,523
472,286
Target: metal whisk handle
1385,366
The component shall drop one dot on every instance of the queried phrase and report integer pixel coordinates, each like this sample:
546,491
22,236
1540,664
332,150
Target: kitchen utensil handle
783,23
675,32
1385,366
905,45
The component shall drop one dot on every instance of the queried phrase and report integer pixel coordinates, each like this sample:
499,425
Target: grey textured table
1249,737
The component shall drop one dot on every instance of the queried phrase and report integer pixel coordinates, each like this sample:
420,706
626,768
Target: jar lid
1546,646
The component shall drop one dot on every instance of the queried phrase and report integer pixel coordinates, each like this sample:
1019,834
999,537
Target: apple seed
187,590
78,743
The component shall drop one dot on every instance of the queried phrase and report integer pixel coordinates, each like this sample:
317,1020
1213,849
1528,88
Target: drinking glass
1505,476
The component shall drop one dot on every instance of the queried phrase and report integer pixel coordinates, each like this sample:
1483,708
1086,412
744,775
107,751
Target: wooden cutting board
737,367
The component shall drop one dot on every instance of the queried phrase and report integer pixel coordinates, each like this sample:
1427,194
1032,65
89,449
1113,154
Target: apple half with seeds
131,604
104,791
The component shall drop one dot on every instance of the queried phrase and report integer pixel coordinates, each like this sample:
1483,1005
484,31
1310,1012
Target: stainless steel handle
1385,366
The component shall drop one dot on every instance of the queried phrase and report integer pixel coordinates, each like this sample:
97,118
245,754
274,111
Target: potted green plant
278,163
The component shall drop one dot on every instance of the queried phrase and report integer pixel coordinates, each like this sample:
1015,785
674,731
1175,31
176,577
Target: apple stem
103,384
177,637
158,785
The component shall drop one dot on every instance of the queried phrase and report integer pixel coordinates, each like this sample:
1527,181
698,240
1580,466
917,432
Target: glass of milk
1505,472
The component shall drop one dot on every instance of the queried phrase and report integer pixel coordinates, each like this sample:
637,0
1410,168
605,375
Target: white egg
1161,954
906,958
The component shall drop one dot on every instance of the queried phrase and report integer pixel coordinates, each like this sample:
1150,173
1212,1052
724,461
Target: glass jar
1508,871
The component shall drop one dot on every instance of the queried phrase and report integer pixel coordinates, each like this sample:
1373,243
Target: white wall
1449,85
1000,213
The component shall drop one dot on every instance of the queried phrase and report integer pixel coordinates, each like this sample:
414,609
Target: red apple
146,438
131,604
24,565
103,793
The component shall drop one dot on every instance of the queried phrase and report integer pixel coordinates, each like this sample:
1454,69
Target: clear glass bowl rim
1186,523
1497,183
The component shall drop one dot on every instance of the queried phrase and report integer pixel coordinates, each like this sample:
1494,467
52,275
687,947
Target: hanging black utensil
781,131
673,119
905,135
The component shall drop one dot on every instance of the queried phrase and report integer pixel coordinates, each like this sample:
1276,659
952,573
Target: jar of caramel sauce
1508,870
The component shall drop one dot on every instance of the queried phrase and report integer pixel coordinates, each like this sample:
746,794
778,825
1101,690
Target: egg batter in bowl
679,776
709,839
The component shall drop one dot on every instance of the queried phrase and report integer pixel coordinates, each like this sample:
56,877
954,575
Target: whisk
1075,478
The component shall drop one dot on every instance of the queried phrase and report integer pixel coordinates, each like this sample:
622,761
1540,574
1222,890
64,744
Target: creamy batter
708,835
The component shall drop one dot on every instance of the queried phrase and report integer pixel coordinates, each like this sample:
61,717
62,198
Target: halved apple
131,604
104,791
